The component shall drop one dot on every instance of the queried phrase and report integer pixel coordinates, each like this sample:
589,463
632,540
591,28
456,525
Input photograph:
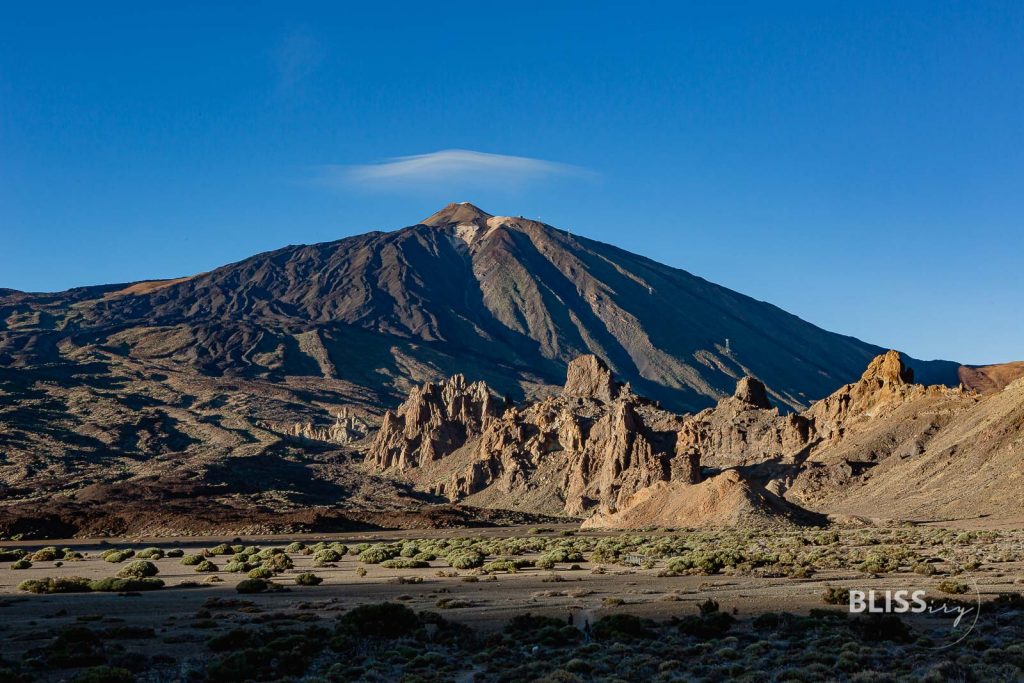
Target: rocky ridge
597,450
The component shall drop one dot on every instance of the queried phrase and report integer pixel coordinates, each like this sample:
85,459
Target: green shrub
191,560
954,587
11,554
377,554
115,556
150,554
261,573
404,563
67,584
206,566
465,559
252,586
138,569
238,566
509,565
46,555
324,557
308,579
119,585
22,564
176,552
222,549
835,596
295,547
278,563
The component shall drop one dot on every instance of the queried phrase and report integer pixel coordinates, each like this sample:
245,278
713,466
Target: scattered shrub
954,587
67,584
261,573
404,563
254,585
120,585
206,566
151,554
308,579
465,559
138,569
835,596
117,556
22,564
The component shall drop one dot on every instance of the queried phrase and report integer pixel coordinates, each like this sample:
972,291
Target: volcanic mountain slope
105,385
507,299
882,447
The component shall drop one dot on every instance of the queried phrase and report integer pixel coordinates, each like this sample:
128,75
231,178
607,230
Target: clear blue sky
859,164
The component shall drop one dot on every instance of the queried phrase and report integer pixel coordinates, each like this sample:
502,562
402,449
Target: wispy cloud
451,166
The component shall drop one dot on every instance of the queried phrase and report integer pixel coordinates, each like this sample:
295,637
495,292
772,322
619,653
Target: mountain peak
461,213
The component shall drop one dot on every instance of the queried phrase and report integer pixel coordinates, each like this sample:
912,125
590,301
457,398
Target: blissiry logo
955,618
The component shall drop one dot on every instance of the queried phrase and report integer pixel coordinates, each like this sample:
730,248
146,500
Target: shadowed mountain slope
506,299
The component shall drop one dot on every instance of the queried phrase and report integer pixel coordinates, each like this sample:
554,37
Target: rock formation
435,420
592,445
744,429
347,428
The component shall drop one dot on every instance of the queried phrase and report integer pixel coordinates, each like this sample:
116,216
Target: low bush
308,579
278,563
222,549
117,556
326,556
138,569
465,559
22,564
66,584
377,554
176,552
261,573
404,563
835,596
119,585
206,566
252,586
191,560
151,554
954,587
46,555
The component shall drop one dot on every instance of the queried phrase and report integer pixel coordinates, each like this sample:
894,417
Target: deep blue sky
861,165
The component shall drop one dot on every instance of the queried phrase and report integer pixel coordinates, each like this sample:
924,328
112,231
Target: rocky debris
435,420
589,377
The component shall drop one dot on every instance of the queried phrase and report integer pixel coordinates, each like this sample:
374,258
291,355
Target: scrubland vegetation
236,639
